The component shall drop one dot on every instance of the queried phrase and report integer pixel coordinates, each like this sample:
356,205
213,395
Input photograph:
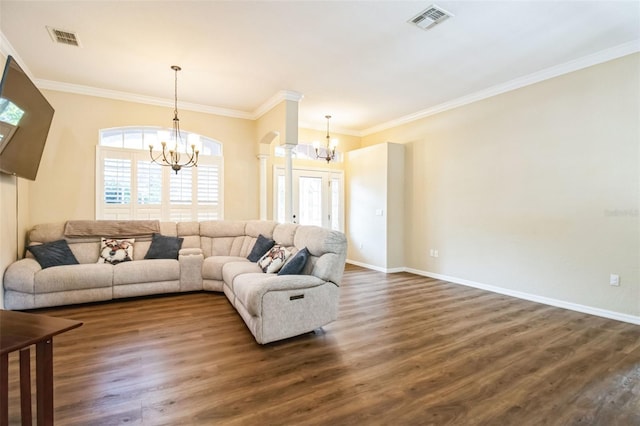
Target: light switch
614,279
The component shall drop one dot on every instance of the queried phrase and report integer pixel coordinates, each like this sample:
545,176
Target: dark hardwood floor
406,350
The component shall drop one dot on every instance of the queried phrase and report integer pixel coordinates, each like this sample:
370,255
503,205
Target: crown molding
282,95
131,97
612,53
7,49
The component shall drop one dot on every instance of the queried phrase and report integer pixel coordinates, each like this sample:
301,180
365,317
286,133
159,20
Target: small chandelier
172,158
330,152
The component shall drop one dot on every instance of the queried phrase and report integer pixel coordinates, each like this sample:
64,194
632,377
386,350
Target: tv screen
25,119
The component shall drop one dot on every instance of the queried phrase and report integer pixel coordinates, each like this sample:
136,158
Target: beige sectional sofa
213,257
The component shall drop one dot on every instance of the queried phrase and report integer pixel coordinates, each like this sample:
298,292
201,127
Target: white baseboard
376,268
633,319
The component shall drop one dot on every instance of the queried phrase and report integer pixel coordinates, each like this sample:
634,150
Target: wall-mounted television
25,119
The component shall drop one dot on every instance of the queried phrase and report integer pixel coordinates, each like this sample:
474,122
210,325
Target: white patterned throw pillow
115,251
273,260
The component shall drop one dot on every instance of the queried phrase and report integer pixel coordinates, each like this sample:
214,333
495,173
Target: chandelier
330,152
171,158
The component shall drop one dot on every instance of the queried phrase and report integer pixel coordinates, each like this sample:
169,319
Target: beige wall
534,191
375,206
14,210
395,206
366,192
65,186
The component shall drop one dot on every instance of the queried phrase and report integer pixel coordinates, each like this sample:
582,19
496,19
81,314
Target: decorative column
263,185
288,184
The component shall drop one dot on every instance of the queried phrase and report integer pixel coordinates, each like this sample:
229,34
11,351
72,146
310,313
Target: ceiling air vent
429,17
63,36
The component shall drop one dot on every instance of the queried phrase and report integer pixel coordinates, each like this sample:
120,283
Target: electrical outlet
431,253
435,253
614,279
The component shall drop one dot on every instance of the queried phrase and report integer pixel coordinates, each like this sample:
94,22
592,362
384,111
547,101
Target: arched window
129,186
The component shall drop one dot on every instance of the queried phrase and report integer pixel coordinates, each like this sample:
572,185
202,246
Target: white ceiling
359,61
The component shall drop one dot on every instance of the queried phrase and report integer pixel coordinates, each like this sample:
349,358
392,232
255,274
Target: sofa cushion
55,253
146,271
231,270
190,231
46,232
253,228
212,266
164,247
116,251
273,260
284,234
296,264
261,246
73,277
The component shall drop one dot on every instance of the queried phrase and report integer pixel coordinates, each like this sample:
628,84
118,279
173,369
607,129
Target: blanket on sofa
111,228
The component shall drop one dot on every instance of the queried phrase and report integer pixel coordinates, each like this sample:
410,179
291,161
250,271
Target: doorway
318,197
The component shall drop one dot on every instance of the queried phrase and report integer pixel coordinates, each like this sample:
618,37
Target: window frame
165,211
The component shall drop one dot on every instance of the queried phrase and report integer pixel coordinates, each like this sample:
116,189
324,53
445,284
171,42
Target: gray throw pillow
55,253
164,247
262,245
296,265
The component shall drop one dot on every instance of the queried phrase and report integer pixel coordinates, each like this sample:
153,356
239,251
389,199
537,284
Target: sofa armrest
274,282
188,251
190,260
20,275
250,288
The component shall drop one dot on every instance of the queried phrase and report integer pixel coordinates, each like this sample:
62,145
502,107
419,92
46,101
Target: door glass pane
335,204
310,193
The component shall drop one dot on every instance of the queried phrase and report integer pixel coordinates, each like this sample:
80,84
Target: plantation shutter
180,187
181,195
149,183
117,181
208,191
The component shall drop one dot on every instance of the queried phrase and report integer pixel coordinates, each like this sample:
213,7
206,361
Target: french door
318,198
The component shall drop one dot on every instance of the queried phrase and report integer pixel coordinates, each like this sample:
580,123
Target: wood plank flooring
406,350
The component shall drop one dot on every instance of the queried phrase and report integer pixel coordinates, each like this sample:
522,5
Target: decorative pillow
273,260
262,245
55,253
164,247
296,265
116,251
